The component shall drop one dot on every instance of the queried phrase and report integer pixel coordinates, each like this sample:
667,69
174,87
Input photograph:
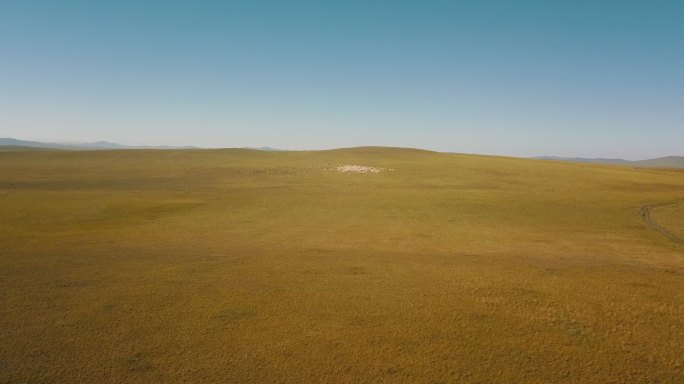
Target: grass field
251,266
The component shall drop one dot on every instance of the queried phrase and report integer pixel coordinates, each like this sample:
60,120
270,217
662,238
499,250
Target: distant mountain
7,142
109,145
584,160
263,148
104,145
660,162
18,144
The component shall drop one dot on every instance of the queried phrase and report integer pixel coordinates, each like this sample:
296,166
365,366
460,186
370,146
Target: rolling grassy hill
237,265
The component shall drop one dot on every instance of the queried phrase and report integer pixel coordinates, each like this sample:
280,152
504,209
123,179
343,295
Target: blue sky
522,78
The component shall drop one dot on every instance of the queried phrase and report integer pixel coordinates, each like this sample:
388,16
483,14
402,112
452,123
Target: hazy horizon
268,147
530,78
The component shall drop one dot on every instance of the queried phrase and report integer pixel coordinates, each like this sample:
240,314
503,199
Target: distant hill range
660,162
263,149
9,144
17,144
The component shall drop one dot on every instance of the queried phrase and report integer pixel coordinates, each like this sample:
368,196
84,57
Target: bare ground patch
358,169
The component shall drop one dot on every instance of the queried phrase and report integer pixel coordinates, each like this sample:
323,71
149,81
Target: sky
519,78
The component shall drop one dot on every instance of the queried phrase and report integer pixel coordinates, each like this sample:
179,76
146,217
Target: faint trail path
647,216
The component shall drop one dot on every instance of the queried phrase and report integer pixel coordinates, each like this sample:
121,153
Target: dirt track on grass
647,216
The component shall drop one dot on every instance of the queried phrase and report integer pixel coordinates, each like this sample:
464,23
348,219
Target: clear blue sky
523,78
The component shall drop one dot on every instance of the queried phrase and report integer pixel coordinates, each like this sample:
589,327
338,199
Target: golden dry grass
668,218
247,266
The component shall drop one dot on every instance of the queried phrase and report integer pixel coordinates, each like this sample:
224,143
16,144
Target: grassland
252,266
